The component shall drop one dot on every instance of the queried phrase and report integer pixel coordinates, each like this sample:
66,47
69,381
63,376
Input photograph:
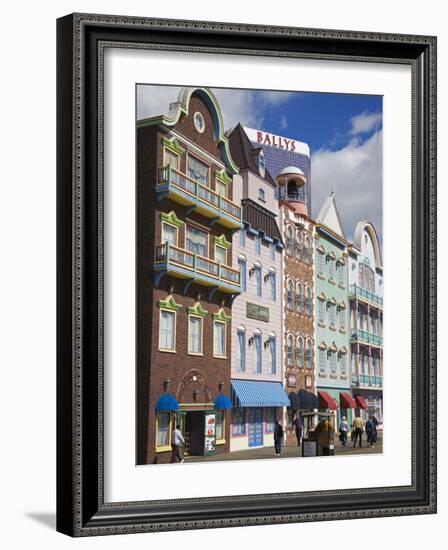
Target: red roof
327,402
346,401
361,402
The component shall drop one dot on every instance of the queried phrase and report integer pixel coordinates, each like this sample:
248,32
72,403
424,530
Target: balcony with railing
369,381
366,296
184,264
185,191
368,338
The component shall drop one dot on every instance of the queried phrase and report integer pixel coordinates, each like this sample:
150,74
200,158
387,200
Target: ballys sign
264,138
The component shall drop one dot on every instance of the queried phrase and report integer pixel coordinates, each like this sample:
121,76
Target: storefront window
219,419
238,421
270,419
163,429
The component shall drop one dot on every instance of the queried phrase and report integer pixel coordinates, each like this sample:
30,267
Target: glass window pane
219,419
219,330
169,234
197,171
196,241
163,426
221,255
166,330
194,335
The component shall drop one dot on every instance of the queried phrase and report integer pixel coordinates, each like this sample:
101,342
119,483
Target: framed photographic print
246,275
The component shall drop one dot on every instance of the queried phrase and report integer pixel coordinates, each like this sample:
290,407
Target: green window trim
221,316
169,304
222,241
171,144
223,177
172,219
197,310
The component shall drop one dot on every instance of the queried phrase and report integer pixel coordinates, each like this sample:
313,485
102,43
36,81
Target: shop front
339,403
370,402
256,407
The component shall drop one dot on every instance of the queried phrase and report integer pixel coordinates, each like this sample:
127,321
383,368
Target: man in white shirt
177,440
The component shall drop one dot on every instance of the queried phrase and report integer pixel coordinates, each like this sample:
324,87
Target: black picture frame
81,510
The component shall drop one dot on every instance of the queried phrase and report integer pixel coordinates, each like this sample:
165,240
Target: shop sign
292,380
209,433
254,311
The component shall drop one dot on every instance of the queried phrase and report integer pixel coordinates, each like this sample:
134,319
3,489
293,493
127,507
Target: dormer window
261,195
261,163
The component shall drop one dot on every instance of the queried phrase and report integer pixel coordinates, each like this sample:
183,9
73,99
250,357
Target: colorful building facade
186,281
298,289
332,329
257,324
366,320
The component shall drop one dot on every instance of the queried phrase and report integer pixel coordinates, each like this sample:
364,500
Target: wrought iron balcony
366,296
184,264
188,192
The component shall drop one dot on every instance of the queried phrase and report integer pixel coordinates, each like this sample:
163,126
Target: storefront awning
252,393
361,402
222,402
167,402
346,401
307,400
327,402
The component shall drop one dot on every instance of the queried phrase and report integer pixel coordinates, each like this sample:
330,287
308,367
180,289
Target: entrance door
255,427
194,433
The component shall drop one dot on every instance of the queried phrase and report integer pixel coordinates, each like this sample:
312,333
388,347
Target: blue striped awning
254,393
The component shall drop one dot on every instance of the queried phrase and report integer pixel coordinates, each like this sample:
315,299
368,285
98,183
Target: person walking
375,425
298,427
357,426
343,431
177,440
278,438
370,432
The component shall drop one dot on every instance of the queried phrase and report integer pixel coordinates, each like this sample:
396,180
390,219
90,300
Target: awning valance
222,402
346,401
327,402
167,402
252,393
360,402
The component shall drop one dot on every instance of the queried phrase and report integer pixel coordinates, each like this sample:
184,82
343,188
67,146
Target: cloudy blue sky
344,133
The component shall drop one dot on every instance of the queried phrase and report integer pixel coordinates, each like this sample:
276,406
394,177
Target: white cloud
245,106
365,122
354,173
283,122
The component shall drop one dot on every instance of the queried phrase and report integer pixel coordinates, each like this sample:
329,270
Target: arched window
307,251
299,356
289,240
241,351
299,245
290,351
308,353
299,298
308,301
290,298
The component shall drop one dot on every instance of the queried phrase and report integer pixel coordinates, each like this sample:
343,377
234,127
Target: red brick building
298,236
185,279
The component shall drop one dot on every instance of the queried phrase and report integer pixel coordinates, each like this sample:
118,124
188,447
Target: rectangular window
167,330
273,354
221,188
194,334
322,361
343,363
257,353
238,421
272,251
270,419
320,263
163,429
241,350
258,287
333,363
219,419
340,268
219,332
169,234
321,311
272,280
331,314
198,171
242,265
331,268
196,241
258,245
171,159
342,319
220,255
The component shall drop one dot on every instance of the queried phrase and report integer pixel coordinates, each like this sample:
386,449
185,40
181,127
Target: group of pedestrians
358,428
